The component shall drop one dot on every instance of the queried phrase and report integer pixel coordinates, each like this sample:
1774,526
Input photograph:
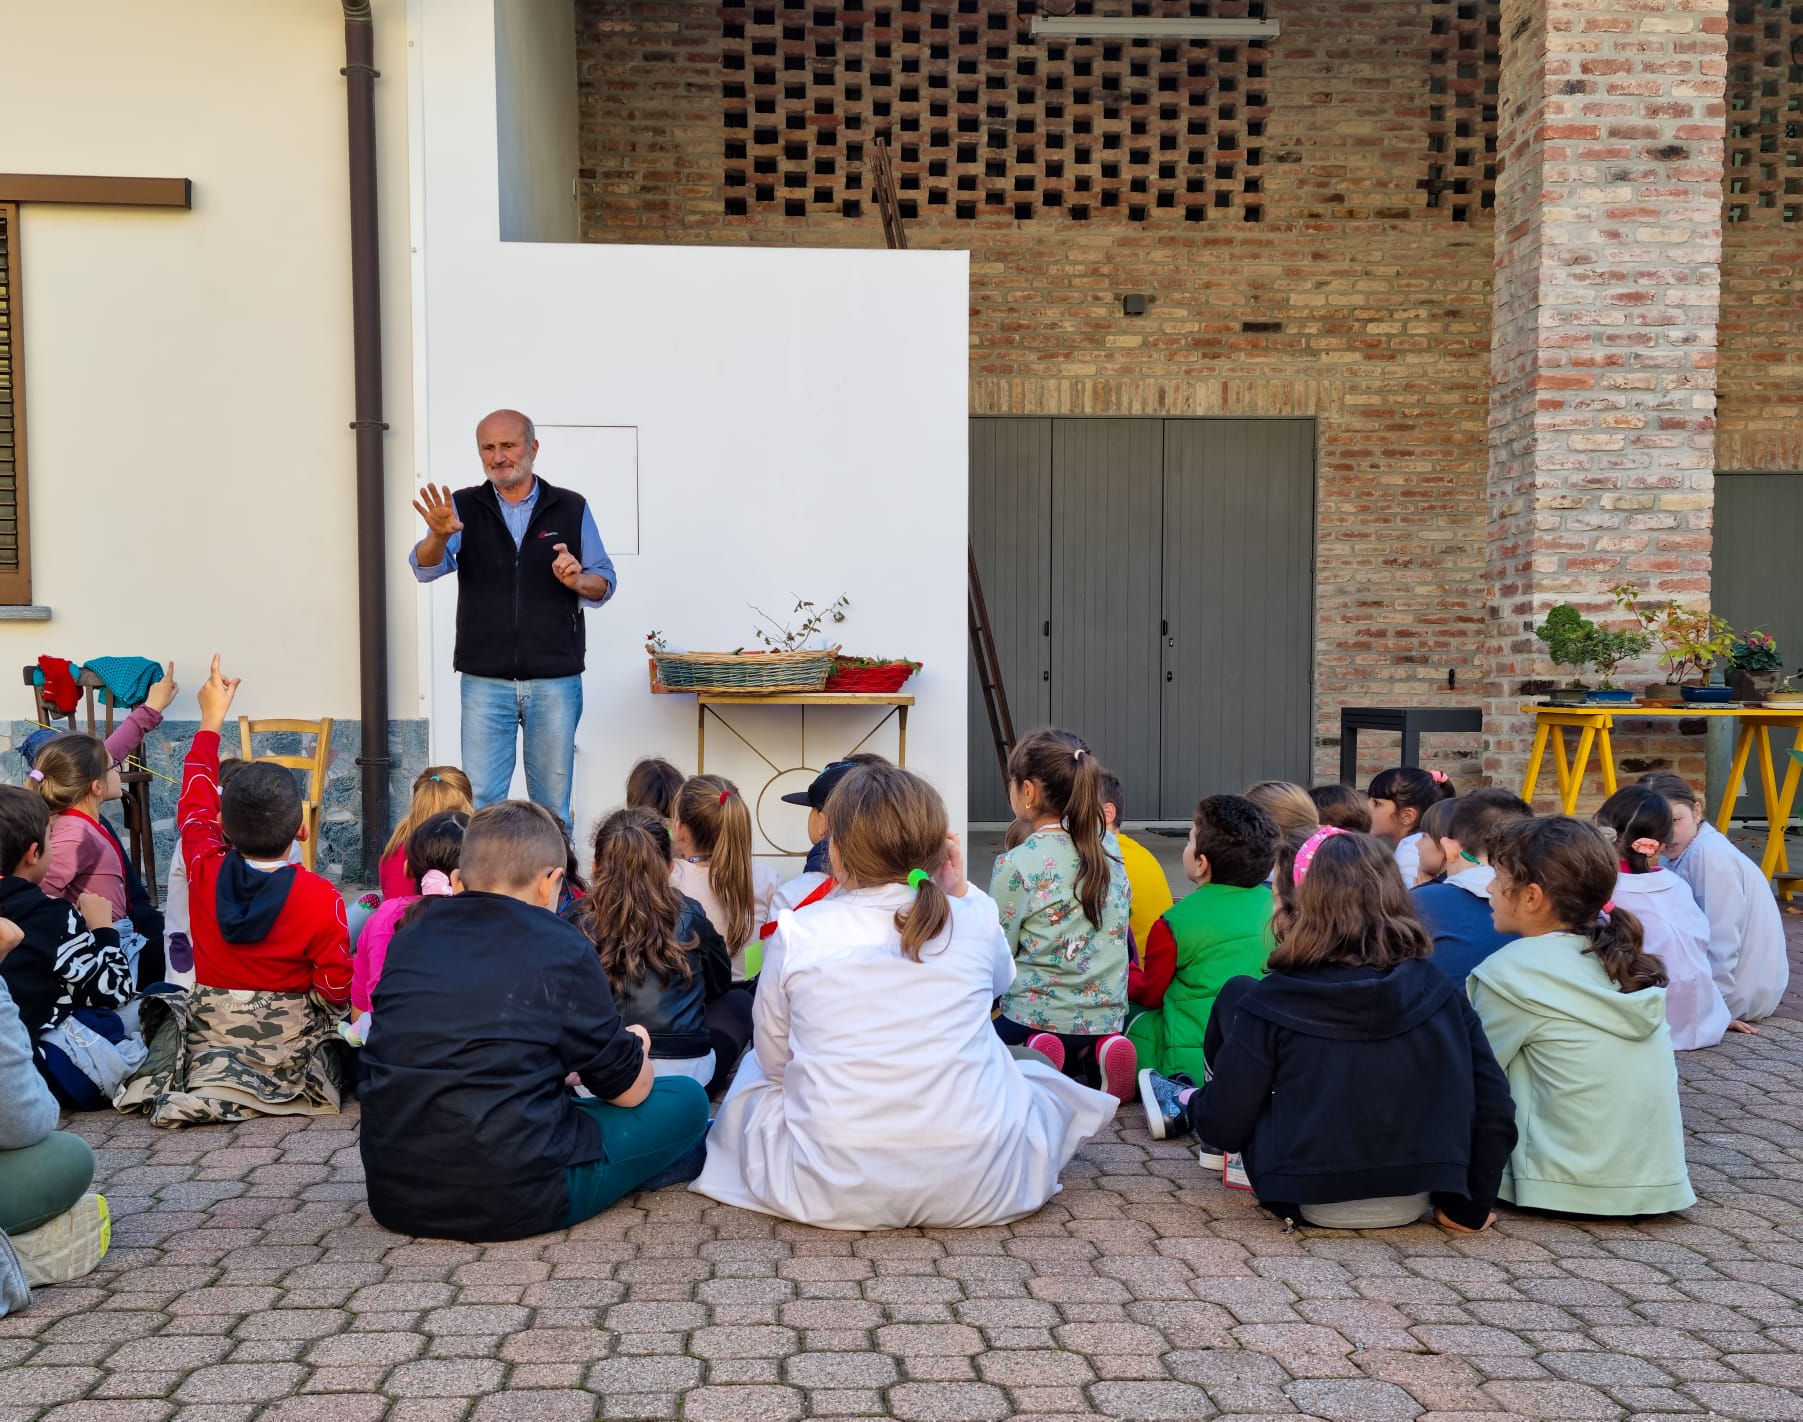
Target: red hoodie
252,929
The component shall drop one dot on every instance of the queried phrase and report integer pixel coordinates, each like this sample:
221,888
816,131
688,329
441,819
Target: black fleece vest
514,619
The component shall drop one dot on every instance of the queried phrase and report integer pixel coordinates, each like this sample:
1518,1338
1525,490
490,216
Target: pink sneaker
1117,1062
1049,1047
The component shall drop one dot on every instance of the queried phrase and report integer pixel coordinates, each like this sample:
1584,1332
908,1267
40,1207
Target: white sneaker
69,1246
1233,1173
1211,1158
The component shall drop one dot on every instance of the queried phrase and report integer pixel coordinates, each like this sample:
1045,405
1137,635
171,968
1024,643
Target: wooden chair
312,766
134,806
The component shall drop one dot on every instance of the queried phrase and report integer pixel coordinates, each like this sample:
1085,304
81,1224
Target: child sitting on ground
436,789
1220,931
1064,907
1746,934
1399,797
1308,1065
877,1096
1673,929
653,784
432,853
257,1033
1148,891
714,864
1433,861
1288,804
469,1131
1456,910
1575,1011
662,957
1342,807
68,968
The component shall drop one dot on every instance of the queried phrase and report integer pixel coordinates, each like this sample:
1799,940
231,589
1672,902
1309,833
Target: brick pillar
1602,363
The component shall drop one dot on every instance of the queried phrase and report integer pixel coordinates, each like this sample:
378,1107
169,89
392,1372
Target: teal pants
40,1182
636,1143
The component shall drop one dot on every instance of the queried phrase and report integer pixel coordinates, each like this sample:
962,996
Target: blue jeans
495,711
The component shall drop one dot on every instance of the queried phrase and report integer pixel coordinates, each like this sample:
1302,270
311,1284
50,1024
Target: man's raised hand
436,506
566,568
215,697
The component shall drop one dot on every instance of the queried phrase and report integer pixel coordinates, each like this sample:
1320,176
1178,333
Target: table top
1451,718
1638,709
801,698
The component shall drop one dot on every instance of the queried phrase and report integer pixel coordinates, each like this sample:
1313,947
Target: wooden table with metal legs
1594,724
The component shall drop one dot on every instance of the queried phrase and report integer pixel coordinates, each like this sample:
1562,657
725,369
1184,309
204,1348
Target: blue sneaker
1165,1117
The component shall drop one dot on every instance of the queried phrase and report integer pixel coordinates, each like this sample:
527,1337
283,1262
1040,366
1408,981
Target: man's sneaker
1233,1173
69,1246
1117,1062
1049,1047
1211,1157
1165,1117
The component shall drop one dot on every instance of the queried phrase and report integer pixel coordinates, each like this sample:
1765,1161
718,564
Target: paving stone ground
247,1281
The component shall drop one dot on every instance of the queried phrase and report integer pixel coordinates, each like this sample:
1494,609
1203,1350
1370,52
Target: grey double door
1150,586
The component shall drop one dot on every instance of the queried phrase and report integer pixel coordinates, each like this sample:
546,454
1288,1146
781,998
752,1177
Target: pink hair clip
1607,909
1437,776
1305,856
435,882
1646,847
36,774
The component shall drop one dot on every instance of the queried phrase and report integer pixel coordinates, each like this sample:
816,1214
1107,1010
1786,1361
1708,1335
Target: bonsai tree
1610,647
1569,638
1689,642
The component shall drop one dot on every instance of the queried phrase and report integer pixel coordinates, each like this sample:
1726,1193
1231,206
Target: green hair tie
1468,856
917,877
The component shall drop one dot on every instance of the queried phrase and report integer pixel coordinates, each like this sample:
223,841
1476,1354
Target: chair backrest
44,714
313,765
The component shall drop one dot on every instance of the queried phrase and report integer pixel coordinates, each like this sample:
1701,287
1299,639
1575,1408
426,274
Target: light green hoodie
1594,1080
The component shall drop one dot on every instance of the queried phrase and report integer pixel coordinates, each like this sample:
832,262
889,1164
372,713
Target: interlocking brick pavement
247,1283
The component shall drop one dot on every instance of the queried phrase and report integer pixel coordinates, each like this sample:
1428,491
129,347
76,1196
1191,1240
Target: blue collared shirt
517,516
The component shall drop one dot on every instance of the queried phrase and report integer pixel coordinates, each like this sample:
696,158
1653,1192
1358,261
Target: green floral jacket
1070,975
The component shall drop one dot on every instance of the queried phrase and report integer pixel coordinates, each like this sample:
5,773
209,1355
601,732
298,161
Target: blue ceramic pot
1615,697
1709,695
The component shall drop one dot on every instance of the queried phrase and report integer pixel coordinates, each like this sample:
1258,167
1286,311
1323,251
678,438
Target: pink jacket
83,857
372,949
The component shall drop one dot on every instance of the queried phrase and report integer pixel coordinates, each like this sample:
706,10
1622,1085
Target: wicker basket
745,671
884,677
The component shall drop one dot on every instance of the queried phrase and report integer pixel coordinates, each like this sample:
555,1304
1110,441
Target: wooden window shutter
15,544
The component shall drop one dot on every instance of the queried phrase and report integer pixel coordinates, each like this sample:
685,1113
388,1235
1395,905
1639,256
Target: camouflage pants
220,1055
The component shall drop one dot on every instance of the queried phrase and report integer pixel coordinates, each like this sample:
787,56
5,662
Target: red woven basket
884,677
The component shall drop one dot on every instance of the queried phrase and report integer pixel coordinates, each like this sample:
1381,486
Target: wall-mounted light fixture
1133,304
1094,27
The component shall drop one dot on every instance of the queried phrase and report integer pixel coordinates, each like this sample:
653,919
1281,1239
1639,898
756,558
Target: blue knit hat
35,742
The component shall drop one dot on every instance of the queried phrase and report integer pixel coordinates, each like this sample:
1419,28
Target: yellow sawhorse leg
1531,781
1605,749
1561,763
1743,744
1768,782
1778,817
1581,762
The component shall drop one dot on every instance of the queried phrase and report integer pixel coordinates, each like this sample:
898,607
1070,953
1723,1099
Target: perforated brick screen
1765,108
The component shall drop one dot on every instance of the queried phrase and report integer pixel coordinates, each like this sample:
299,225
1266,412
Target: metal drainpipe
360,76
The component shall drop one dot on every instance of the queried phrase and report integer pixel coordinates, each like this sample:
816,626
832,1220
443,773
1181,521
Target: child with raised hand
1456,910
1354,1079
436,789
1065,910
67,965
1149,891
1746,934
272,963
1399,797
433,851
1574,1008
1342,807
663,959
714,864
1673,929
653,784
877,1096
1220,931
488,1003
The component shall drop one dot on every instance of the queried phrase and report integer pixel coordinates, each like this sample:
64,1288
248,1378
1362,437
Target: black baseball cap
814,797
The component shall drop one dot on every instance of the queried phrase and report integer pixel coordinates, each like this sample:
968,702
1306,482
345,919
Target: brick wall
1338,186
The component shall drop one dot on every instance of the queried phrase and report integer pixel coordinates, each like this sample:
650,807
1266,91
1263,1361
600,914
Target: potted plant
1689,642
1788,694
1757,667
1567,634
1609,647
786,662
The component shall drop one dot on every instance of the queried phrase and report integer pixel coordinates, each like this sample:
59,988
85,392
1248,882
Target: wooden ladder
982,639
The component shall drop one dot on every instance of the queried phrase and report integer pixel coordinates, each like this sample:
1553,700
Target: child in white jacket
1746,933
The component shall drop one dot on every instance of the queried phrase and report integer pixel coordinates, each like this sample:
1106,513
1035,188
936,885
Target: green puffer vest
1222,932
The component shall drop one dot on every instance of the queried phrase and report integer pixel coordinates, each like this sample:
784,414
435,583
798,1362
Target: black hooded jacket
1345,1083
